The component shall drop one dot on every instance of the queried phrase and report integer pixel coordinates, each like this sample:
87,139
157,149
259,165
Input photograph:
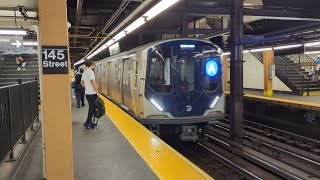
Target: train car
170,86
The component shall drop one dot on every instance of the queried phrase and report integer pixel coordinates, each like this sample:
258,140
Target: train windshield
182,66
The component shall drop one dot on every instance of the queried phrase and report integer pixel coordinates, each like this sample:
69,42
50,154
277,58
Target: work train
170,86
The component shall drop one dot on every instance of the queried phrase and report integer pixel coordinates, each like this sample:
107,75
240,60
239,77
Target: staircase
297,78
9,73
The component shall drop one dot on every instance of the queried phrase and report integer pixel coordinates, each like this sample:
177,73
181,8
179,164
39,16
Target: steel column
183,26
236,71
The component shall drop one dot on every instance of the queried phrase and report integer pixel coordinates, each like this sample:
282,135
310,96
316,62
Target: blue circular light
212,68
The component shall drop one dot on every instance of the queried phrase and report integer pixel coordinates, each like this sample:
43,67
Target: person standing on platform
91,91
79,89
20,62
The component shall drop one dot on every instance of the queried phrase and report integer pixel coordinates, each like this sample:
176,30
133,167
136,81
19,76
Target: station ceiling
92,20
262,16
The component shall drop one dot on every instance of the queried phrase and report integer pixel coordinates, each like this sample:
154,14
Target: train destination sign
55,60
10,42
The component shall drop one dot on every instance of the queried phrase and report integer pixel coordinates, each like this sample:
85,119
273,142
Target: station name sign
55,60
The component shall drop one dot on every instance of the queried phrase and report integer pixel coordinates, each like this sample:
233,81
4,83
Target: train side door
109,78
126,84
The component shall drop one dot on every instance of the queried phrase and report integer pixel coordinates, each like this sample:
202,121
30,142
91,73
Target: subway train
171,86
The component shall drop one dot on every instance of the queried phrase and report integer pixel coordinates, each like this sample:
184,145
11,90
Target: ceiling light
139,22
119,36
288,46
30,43
226,53
312,44
312,52
158,8
13,32
245,51
79,62
109,43
262,49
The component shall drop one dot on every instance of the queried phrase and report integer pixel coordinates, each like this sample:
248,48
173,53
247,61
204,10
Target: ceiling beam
78,18
280,14
173,31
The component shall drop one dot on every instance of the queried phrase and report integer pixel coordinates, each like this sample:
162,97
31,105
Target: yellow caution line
164,161
284,102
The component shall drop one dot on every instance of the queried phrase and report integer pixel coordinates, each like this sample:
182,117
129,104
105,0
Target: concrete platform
310,99
102,153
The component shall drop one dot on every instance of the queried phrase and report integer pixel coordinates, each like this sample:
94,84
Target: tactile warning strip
163,160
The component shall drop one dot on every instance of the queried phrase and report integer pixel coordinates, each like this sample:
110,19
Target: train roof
147,46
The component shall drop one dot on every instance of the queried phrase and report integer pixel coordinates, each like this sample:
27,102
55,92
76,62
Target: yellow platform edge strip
162,159
299,104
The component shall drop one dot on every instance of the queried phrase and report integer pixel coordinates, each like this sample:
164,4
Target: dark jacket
78,88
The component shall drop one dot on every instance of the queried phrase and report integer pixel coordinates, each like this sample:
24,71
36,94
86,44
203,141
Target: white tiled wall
253,75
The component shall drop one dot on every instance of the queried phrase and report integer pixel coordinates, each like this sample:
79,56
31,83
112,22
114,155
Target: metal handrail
17,84
293,68
305,78
301,65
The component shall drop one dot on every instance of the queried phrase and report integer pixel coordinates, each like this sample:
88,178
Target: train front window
179,67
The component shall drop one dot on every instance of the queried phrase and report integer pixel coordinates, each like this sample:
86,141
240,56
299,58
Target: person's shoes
89,125
19,68
24,63
83,105
86,125
78,106
92,126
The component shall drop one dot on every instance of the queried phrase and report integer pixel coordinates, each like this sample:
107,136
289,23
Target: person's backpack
100,109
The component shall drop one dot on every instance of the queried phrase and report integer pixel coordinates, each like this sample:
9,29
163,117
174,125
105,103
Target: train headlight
214,102
156,105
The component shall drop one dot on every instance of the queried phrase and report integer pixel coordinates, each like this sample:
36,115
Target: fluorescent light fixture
288,46
312,52
213,104
312,44
30,43
156,104
245,51
158,8
79,62
262,49
226,53
133,26
109,43
13,32
119,36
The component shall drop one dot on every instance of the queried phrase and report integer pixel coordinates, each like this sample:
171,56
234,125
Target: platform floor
102,153
310,99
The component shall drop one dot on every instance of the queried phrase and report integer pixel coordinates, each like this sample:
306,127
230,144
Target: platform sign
55,60
11,42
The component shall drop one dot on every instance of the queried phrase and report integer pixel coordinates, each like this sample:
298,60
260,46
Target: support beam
174,31
236,71
55,93
78,18
183,26
268,61
225,66
280,14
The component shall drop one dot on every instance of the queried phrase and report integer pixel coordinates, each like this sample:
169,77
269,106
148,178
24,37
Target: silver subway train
170,86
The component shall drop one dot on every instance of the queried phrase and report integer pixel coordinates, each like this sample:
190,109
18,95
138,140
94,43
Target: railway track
278,151
220,163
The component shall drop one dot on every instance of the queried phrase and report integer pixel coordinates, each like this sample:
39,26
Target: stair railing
305,79
304,61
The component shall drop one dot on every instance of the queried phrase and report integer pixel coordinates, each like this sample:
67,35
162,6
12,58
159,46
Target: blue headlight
212,68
